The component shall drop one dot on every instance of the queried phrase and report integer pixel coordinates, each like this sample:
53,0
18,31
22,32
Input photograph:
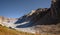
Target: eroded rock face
51,20
47,16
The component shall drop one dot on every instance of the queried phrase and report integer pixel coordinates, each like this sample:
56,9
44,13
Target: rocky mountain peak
53,0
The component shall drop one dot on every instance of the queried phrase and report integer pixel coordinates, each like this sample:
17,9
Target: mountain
42,20
42,16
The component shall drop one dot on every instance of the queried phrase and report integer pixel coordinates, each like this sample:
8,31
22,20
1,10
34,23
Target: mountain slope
41,16
6,31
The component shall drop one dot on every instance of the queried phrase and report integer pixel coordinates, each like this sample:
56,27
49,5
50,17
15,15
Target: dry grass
7,31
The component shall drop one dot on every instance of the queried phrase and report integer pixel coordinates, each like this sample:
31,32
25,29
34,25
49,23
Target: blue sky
17,8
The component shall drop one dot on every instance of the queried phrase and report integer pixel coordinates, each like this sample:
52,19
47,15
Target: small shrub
0,25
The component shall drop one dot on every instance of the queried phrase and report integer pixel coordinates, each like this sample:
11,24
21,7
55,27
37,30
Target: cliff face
55,7
48,16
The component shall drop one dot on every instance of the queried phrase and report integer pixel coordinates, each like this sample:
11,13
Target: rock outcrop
47,16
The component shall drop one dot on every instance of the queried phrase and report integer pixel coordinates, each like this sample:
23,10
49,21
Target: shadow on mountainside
47,16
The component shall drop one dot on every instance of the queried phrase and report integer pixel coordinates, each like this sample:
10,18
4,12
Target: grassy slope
7,31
